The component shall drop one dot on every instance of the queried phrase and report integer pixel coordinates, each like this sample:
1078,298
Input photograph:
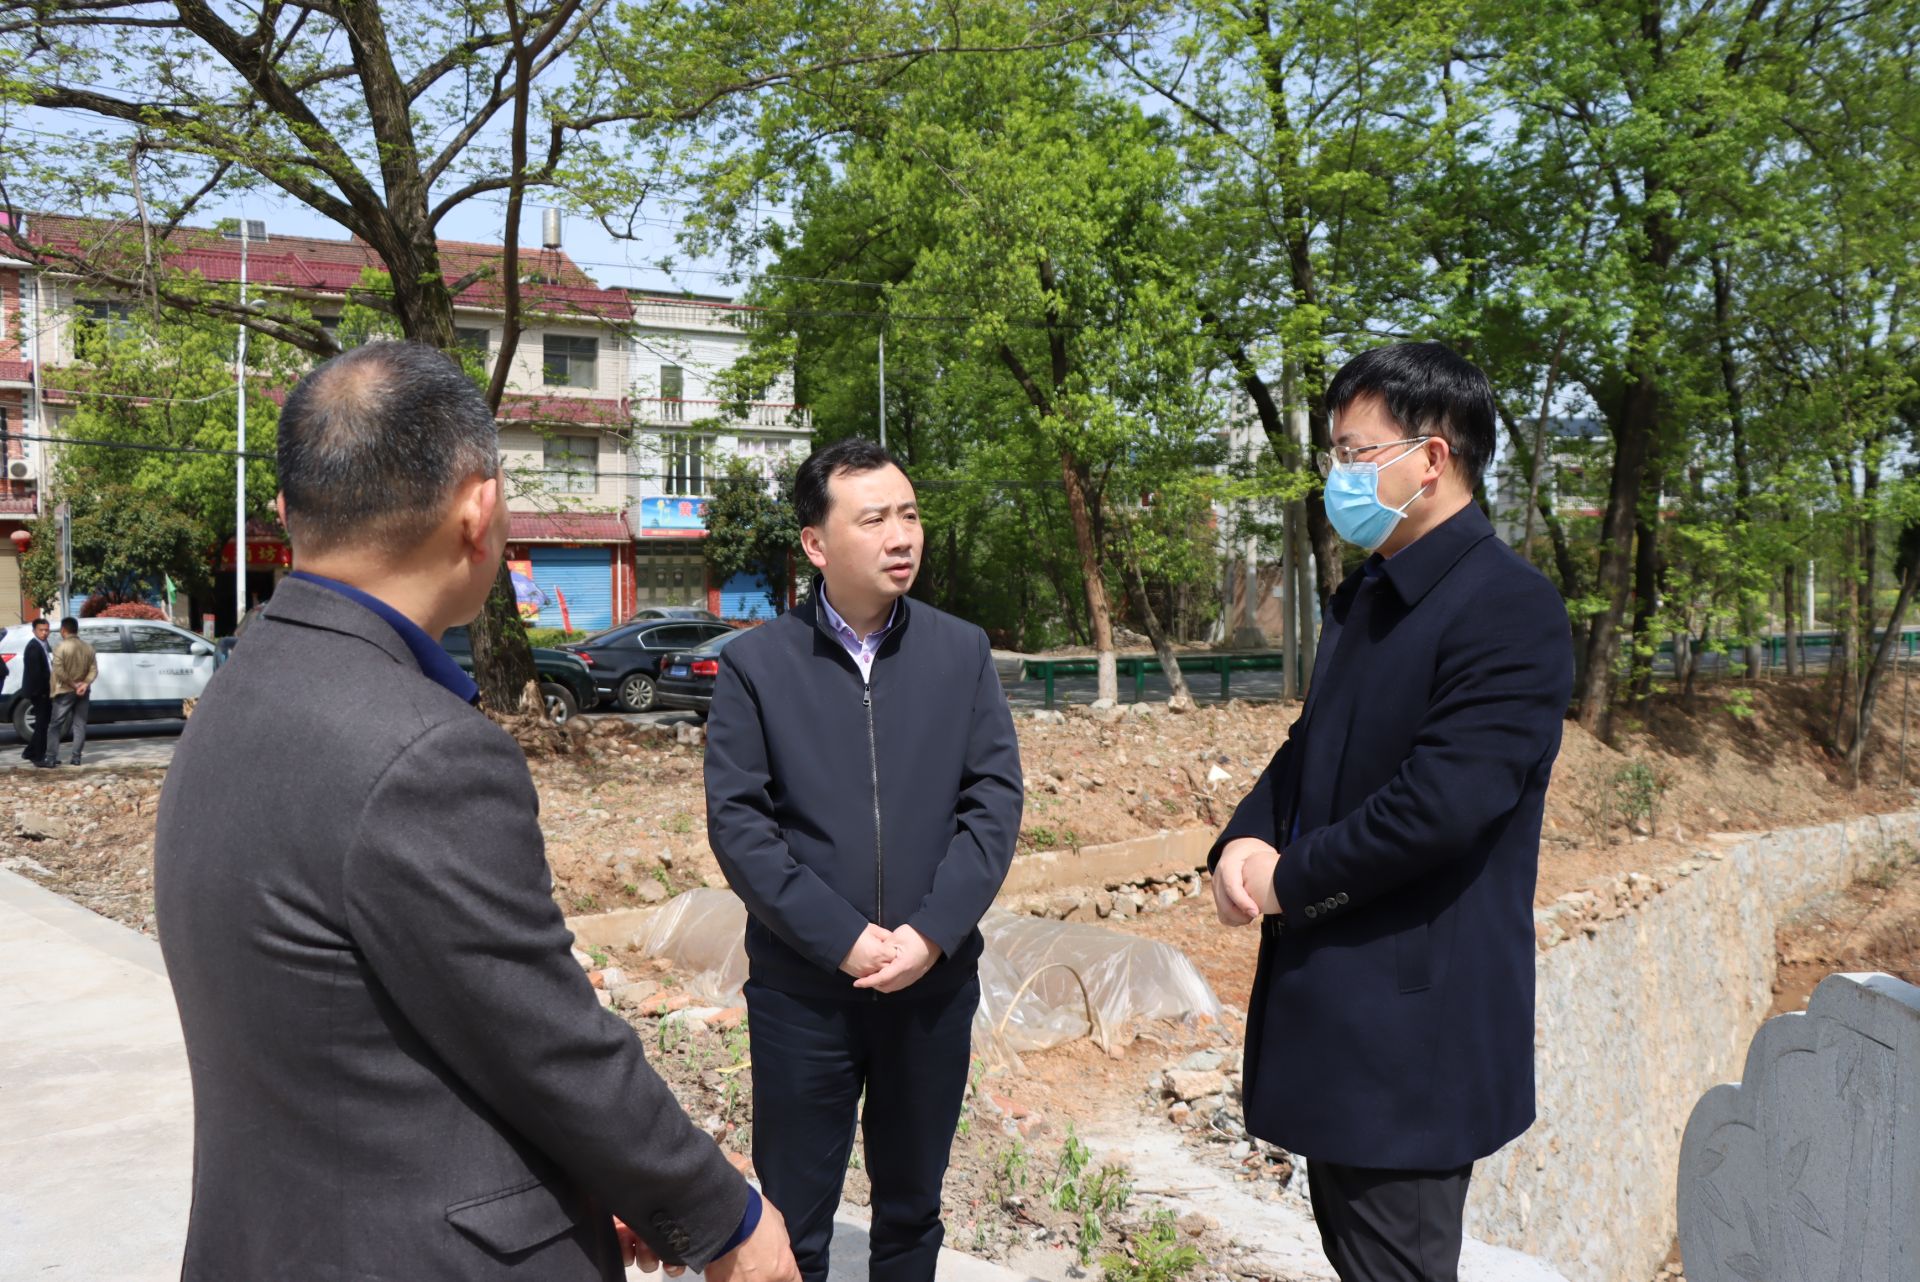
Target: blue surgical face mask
1354,506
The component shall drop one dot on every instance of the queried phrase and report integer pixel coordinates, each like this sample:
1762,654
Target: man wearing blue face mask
1390,849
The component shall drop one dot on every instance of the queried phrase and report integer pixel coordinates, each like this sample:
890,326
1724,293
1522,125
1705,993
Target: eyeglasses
1347,455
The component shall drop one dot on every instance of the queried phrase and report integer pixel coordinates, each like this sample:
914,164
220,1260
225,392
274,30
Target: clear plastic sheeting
1045,982
1042,982
702,932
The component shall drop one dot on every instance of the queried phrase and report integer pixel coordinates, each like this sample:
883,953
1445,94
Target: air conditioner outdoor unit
20,469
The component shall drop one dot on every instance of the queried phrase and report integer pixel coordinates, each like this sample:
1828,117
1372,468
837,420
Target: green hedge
550,637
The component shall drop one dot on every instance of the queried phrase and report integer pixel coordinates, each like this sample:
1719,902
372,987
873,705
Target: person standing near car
863,799
75,669
36,683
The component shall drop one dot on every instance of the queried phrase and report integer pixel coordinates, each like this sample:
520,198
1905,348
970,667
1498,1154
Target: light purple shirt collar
861,648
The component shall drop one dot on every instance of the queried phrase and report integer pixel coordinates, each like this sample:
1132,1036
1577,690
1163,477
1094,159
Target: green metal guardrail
1776,644
1139,665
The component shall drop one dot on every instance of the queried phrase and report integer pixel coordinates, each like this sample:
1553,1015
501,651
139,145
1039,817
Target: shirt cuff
748,1223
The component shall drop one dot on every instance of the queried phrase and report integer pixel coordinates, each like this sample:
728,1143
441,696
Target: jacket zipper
873,761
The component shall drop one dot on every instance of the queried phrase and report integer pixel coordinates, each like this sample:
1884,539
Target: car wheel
635,693
23,719
561,705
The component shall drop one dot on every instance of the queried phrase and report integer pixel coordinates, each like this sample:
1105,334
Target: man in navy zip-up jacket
863,799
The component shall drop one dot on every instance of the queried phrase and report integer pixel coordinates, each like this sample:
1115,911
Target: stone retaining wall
1649,993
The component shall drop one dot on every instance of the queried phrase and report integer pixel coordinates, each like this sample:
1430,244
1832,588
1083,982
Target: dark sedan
565,682
673,612
686,678
626,660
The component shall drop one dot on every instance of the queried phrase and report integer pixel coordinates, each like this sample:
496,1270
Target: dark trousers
70,715
1389,1226
812,1058
42,722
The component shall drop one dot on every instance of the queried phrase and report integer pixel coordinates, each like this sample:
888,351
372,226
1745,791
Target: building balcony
672,411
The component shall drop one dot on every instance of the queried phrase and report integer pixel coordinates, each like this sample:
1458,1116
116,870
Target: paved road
151,743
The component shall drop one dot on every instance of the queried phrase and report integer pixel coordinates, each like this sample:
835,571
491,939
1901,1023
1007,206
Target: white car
147,669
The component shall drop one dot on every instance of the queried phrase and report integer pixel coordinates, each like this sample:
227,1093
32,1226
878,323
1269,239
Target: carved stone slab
1809,1169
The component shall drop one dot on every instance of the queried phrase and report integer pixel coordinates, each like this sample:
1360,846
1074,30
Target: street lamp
240,457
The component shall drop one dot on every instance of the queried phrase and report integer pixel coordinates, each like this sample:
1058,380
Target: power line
150,449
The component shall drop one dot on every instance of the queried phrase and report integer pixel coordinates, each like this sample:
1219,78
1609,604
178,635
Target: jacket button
1312,911
681,1242
1341,897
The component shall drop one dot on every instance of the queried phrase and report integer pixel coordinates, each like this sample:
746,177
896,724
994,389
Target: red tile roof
569,527
15,372
311,263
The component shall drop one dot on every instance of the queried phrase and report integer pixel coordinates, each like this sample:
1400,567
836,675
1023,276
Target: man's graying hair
372,443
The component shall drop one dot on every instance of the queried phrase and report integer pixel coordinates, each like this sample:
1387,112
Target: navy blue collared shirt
437,665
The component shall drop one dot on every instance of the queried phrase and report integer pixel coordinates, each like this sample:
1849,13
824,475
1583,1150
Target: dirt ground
624,795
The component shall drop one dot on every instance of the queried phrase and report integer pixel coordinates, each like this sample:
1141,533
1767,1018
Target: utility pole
240,458
883,382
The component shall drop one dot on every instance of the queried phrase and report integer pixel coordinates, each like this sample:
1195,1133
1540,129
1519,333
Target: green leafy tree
751,530
126,543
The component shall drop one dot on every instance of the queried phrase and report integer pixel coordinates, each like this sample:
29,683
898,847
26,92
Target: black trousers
1389,1226
812,1059
42,722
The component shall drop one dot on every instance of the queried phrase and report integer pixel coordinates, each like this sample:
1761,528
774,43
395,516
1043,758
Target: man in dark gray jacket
399,1072
863,798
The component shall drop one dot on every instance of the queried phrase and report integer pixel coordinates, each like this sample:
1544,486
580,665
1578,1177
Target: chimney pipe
550,229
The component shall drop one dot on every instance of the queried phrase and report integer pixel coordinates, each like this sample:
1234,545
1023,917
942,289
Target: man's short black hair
1426,387
70,625
850,457
42,622
373,441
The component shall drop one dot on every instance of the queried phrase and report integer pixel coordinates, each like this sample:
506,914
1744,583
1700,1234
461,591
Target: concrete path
96,1110
96,1116
1277,1236
117,746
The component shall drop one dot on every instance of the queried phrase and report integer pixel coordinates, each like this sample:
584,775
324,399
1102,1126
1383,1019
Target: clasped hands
1243,881
889,960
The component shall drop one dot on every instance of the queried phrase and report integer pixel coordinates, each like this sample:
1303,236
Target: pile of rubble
1201,1096
1124,900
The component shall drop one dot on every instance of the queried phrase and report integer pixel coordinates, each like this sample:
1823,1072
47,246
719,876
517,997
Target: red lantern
20,541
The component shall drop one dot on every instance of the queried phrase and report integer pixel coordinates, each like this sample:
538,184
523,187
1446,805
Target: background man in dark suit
399,1071
36,682
1392,844
863,798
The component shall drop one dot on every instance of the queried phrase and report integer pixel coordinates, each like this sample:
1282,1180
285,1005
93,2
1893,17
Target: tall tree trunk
1877,671
1845,623
1632,439
1737,431
1647,579
1099,612
1788,614
1182,700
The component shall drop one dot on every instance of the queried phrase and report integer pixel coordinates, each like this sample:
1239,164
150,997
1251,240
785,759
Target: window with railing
572,361
573,464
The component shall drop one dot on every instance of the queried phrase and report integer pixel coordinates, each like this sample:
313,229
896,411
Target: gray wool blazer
399,1071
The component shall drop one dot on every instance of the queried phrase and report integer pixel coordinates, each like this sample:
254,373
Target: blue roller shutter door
746,597
585,575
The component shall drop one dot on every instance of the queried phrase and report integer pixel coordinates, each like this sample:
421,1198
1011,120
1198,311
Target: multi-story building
19,454
1573,458
610,433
